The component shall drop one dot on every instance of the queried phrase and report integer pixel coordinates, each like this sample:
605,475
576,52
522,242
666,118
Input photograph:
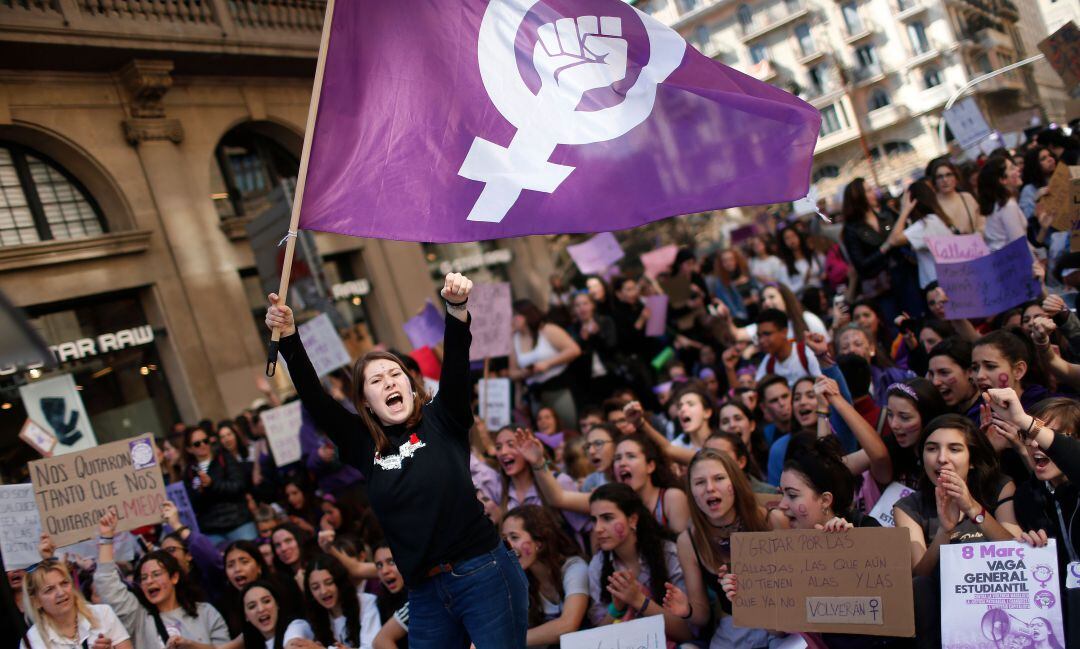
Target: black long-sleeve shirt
1034,502
423,495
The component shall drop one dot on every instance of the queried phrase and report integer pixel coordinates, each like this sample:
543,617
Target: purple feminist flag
482,119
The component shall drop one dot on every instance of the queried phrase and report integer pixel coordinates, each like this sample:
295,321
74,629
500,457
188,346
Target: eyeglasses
200,442
598,444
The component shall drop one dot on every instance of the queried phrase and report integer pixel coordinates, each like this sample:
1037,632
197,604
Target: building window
852,20
817,79
897,147
866,56
40,201
687,6
758,53
931,77
983,63
793,5
746,18
702,36
255,169
826,171
878,99
917,35
830,121
806,41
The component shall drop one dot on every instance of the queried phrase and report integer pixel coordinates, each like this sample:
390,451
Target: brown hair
374,426
555,548
747,510
741,265
1063,411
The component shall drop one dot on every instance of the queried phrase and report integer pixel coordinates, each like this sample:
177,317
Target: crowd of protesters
814,362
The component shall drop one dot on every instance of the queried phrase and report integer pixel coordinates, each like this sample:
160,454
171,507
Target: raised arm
873,450
454,399
329,415
636,415
553,493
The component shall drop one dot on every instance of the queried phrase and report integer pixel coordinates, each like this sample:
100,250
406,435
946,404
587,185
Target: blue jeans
484,600
245,532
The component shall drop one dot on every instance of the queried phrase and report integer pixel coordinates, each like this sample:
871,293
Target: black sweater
222,505
428,506
1034,501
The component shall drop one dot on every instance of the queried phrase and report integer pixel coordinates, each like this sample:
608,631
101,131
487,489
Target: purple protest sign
659,260
986,286
957,248
657,322
525,117
597,254
425,329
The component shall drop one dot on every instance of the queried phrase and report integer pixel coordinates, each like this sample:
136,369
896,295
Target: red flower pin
413,439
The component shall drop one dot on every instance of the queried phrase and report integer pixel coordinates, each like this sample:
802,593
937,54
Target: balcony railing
867,74
280,26
861,31
908,9
768,20
886,116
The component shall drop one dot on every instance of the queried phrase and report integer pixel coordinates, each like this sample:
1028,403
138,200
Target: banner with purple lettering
986,286
485,119
1001,594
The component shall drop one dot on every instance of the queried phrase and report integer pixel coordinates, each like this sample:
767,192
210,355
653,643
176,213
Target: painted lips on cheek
1003,380
620,531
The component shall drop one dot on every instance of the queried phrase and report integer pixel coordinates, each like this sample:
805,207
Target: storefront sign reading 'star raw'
858,581
108,342
73,491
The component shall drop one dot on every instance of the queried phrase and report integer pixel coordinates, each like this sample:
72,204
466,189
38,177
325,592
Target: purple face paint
1003,380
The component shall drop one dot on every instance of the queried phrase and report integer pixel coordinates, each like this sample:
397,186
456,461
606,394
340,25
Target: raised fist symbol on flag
578,56
572,56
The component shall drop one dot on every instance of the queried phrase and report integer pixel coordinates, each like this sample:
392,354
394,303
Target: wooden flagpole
301,180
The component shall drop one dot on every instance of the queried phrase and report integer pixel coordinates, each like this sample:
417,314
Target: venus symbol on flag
571,58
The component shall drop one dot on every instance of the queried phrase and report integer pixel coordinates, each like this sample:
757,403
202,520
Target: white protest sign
597,254
323,345
643,633
494,402
56,405
20,526
882,511
967,123
283,432
123,548
1000,594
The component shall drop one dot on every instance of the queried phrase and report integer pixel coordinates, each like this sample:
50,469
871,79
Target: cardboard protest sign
426,328
178,495
57,406
20,527
1059,196
1000,594
642,633
282,426
323,345
597,254
39,439
882,510
73,491
986,286
657,322
857,581
489,305
1062,50
659,261
495,403
956,248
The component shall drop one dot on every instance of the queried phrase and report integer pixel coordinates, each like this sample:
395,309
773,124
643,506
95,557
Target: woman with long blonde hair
62,617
